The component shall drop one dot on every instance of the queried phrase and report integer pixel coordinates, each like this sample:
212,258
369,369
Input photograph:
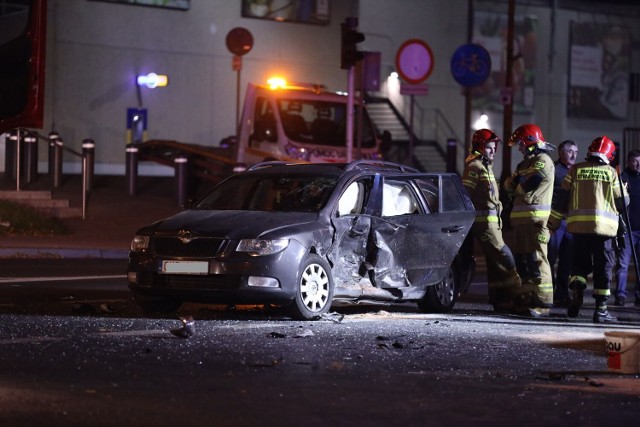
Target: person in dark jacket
631,180
561,242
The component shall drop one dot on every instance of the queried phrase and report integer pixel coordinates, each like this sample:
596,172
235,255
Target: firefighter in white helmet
480,183
591,200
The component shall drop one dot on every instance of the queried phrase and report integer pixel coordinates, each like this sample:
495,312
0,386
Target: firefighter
480,183
591,198
530,189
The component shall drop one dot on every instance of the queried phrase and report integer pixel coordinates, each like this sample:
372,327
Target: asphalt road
76,350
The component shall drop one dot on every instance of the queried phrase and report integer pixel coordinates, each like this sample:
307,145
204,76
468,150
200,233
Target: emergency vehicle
302,123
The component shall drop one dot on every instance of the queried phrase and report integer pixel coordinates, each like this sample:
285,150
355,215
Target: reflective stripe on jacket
532,188
593,188
480,183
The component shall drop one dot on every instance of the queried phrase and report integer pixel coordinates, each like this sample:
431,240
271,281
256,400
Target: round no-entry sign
414,61
239,41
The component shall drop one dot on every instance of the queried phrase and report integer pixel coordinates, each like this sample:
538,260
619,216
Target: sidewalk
112,217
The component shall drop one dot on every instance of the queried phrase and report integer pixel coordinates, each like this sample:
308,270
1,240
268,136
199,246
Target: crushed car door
352,228
418,235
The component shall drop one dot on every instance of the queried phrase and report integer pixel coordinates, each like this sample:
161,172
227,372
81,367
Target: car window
265,122
280,193
430,190
451,197
398,199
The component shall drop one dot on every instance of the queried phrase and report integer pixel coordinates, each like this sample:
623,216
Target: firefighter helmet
530,135
603,148
480,139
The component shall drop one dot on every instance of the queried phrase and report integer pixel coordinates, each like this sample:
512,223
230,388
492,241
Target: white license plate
185,267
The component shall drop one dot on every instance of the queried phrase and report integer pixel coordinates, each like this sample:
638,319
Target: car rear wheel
441,297
154,305
314,289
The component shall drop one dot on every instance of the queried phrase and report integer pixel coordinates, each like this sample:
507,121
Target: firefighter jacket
480,183
531,189
589,198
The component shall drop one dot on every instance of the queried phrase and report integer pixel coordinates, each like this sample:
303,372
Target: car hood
231,224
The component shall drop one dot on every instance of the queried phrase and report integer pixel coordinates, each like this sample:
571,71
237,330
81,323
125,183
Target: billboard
599,67
298,11
489,31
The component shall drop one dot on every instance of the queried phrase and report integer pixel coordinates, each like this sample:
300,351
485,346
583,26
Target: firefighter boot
500,299
576,301
528,304
601,315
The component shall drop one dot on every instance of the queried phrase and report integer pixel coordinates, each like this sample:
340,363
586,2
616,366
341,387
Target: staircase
44,202
384,117
427,155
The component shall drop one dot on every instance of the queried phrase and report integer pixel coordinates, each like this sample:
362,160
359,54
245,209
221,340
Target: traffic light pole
349,130
349,56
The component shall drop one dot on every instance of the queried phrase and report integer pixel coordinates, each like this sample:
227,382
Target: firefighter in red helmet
480,183
530,189
591,199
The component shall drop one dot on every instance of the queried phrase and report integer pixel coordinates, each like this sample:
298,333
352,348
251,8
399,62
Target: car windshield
320,122
265,192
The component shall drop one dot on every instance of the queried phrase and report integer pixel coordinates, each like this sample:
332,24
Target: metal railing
26,139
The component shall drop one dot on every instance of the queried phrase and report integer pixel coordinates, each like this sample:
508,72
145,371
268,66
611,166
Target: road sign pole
411,133
350,88
236,65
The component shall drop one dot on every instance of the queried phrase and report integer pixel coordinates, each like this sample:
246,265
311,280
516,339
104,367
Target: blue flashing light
153,80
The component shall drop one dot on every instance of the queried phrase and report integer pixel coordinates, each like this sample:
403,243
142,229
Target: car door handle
452,229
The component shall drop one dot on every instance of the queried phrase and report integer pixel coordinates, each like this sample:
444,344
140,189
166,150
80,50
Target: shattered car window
451,197
429,188
291,193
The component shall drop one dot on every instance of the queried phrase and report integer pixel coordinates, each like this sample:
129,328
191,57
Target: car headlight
139,243
259,247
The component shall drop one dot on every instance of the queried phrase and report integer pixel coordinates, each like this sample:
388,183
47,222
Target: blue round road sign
470,65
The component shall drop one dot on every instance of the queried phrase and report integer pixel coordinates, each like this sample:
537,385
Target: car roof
337,169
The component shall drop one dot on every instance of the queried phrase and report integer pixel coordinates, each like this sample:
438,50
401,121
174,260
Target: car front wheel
441,297
314,289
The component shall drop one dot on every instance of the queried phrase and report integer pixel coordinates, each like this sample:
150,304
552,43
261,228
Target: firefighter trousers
596,253
530,252
502,277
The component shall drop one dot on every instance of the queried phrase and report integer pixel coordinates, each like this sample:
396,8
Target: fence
21,149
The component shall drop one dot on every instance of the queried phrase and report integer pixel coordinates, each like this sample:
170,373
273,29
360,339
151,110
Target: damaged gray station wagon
305,236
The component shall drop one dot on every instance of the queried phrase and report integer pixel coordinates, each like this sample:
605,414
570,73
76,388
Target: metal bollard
88,153
31,144
57,163
182,179
131,170
10,156
53,137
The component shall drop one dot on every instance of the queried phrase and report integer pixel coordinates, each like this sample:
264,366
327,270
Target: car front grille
201,247
186,281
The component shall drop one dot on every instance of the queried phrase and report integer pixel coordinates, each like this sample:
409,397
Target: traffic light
349,53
